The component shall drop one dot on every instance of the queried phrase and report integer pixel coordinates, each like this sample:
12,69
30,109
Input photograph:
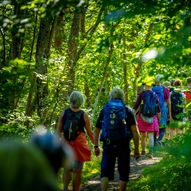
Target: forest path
135,171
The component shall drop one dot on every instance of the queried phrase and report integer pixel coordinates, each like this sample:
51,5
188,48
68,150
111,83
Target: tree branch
89,33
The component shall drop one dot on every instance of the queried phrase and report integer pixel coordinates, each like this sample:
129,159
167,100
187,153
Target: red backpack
188,94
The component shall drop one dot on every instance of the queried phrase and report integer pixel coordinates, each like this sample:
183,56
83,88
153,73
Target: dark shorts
111,153
77,165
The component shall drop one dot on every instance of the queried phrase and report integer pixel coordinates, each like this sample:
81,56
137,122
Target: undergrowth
173,172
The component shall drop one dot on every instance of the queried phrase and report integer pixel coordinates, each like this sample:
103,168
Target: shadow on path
136,169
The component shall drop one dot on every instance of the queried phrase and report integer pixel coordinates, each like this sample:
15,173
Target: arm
136,135
88,127
167,98
158,110
169,108
138,102
96,141
184,99
159,116
96,134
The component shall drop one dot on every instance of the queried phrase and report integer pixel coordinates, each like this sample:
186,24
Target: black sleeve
100,120
131,120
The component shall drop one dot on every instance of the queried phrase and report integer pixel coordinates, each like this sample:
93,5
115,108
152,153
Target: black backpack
73,124
148,108
176,102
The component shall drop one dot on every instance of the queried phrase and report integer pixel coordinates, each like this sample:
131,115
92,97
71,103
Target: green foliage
173,172
148,37
12,80
91,169
16,124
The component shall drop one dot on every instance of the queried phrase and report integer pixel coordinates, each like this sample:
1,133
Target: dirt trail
136,169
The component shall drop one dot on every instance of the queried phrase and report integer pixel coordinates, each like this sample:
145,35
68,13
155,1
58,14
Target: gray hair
158,78
117,93
167,83
76,99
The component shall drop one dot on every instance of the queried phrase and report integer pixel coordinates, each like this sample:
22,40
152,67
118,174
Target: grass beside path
137,166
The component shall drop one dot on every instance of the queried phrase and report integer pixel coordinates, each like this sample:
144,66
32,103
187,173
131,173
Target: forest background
50,48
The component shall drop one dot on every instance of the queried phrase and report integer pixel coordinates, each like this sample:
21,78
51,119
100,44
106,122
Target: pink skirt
148,127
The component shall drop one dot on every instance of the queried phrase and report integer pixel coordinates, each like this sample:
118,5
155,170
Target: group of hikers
155,108
117,124
170,105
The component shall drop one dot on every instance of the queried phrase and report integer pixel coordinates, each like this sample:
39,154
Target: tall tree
75,48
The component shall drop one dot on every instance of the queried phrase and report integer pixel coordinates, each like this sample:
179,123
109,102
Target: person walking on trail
71,126
169,130
188,96
177,104
57,154
148,116
164,101
118,126
169,85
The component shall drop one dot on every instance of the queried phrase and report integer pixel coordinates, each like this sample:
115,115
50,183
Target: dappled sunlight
150,54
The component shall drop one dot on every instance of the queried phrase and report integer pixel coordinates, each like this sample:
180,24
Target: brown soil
136,169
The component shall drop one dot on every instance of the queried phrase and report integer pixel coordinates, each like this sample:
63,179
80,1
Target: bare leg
104,183
151,141
77,180
123,185
143,140
67,177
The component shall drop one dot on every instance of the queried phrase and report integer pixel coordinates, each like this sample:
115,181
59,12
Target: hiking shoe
143,153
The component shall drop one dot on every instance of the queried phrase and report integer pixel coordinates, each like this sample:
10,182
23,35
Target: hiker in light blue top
164,101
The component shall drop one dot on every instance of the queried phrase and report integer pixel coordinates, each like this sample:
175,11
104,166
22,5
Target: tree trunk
28,68
125,69
42,57
58,32
72,49
140,63
31,105
34,36
73,52
16,46
105,73
4,49
83,31
86,89
16,36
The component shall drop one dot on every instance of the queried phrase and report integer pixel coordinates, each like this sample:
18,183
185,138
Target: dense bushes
174,170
